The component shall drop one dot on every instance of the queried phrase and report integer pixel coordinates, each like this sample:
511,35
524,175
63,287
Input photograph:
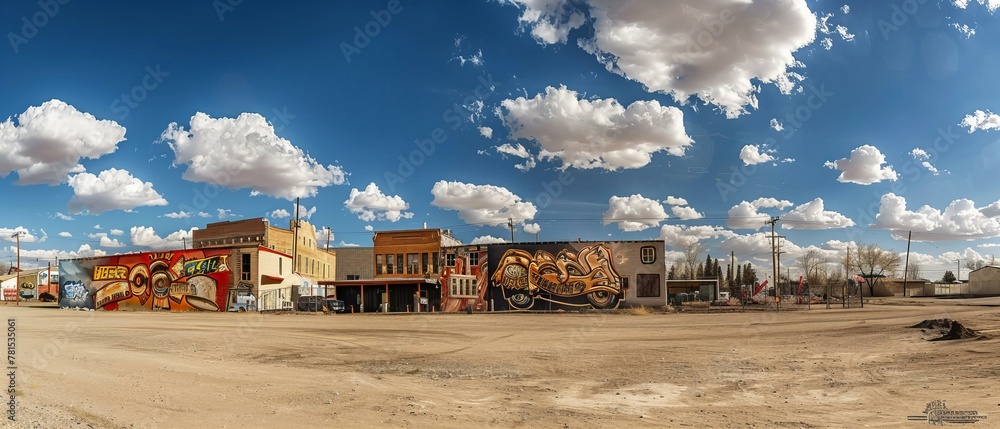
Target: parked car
310,303
335,305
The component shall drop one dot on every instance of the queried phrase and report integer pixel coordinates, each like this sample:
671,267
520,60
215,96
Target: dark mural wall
551,276
188,280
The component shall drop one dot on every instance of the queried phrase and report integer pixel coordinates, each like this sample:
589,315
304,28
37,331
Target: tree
672,274
913,272
749,274
974,264
872,262
811,263
708,267
949,277
6,268
699,272
716,270
691,255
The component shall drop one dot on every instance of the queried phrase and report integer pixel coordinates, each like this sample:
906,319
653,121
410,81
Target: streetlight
17,235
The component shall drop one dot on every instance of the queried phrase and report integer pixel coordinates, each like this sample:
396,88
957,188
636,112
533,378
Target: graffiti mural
184,280
554,276
464,279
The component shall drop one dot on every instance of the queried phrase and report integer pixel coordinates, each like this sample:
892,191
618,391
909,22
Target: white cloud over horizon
112,189
48,142
245,152
594,133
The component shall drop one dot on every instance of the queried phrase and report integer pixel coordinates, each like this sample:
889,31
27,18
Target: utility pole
184,242
906,265
774,263
328,233
17,235
510,223
295,239
844,302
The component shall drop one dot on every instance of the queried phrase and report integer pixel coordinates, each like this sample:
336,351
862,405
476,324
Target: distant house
985,281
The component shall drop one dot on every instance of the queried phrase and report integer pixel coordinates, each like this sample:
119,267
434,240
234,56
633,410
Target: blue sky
577,119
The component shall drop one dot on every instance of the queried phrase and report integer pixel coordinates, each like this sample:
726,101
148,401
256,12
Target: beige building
311,260
985,281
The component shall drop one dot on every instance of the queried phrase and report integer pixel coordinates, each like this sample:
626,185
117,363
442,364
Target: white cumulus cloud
775,125
681,236
864,167
813,215
532,228
675,201
634,213
961,220
245,152
595,133
145,236
111,190
279,214
751,155
486,132
178,215
981,120
487,239
372,204
686,49
686,213
65,234
746,215
482,204
47,142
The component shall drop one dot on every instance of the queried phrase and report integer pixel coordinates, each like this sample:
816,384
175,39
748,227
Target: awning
270,280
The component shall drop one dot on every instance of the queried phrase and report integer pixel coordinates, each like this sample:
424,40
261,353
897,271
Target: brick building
405,275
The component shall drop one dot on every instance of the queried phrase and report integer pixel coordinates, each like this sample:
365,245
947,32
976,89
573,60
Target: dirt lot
821,368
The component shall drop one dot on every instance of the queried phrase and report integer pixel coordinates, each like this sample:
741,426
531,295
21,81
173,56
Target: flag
759,288
800,286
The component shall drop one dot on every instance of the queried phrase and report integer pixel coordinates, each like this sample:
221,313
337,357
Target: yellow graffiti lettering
110,272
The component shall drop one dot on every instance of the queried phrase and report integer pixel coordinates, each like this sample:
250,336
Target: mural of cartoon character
587,278
176,281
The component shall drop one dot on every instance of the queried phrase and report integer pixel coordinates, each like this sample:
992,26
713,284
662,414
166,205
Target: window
648,285
245,267
648,255
400,265
353,277
462,286
279,265
473,259
449,260
434,262
379,268
412,263
423,263
391,262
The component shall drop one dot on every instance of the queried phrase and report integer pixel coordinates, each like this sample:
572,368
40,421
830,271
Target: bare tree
812,263
692,255
974,264
913,272
6,267
872,262
834,278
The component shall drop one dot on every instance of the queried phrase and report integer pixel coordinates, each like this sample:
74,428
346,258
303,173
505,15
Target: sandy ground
821,368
